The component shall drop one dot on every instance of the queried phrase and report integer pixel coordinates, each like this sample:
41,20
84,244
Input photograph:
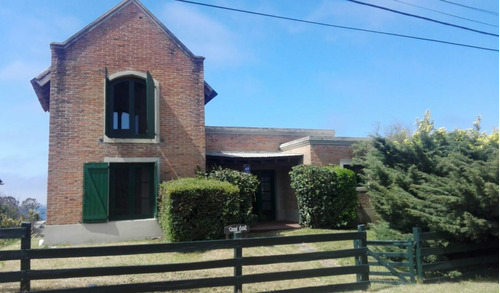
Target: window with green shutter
119,191
130,107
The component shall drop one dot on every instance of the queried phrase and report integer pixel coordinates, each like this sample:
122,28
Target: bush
326,196
197,209
248,185
438,180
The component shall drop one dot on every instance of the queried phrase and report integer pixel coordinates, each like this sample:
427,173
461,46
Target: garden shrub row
197,209
248,185
326,196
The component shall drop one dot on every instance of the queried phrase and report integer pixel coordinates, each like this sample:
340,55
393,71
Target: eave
41,85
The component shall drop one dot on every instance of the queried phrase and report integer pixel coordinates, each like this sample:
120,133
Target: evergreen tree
434,179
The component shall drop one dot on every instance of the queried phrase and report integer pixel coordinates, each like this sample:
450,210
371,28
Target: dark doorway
265,206
131,191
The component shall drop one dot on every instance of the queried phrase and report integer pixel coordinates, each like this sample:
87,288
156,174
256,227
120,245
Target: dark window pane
140,109
121,106
120,187
142,196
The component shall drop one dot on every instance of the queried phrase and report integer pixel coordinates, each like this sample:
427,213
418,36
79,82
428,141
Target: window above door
131,108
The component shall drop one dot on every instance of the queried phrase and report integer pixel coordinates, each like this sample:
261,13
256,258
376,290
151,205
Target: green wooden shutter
95,192
109,107
156,187
150,97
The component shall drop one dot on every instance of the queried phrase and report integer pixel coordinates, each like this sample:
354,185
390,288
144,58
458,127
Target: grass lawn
475,285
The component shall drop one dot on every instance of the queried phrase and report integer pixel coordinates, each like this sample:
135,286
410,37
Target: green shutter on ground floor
95,192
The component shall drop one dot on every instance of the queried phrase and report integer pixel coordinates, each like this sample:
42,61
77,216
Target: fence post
25,260
238,271
411,263
362,260
418,252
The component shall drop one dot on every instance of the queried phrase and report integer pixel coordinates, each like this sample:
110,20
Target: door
265,206
132,191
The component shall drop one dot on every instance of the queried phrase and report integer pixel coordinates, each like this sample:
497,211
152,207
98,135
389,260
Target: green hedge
326,196
197,208
248,185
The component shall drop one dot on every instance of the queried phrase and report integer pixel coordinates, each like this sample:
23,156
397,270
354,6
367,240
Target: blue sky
270,72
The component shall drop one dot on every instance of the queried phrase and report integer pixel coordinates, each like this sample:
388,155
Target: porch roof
252,155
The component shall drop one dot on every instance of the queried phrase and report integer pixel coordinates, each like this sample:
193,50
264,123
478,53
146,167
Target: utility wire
473,8
448,14
340,26
424,18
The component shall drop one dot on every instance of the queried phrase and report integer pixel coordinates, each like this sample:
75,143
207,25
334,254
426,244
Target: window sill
131,140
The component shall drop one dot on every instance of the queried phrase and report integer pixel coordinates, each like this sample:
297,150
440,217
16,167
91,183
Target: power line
444,13
340,26
473,8
424,18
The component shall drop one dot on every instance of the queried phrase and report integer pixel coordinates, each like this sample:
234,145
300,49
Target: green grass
469,285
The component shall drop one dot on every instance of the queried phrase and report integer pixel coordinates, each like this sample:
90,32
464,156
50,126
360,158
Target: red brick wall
329,154
243,142
128,40
255,139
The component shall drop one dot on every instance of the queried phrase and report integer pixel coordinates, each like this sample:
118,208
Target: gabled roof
41,83
117,9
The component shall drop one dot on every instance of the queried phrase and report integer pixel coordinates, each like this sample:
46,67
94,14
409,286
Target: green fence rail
236,280
453,256
396,258
392,261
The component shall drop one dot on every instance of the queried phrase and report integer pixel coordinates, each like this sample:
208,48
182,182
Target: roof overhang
312,141
253,155
41,85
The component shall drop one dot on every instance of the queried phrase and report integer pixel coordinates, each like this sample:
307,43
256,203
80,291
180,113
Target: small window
130,107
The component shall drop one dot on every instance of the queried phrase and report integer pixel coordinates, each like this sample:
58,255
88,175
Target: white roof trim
250,155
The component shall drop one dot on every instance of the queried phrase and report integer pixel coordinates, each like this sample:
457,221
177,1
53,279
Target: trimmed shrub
326,196
248,185
197,209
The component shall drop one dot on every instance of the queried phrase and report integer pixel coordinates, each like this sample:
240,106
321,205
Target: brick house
126,101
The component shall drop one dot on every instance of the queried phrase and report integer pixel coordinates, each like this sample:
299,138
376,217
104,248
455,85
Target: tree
9,207
29,210
12,213
437,180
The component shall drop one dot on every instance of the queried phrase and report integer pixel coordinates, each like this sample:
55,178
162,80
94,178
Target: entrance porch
275,200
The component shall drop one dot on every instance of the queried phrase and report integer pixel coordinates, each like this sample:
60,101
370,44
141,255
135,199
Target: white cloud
204,35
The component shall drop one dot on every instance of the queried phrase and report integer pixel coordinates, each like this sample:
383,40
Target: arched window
130,107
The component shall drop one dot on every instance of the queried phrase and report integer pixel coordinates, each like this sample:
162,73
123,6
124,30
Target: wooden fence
236,280
390,261
453,256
